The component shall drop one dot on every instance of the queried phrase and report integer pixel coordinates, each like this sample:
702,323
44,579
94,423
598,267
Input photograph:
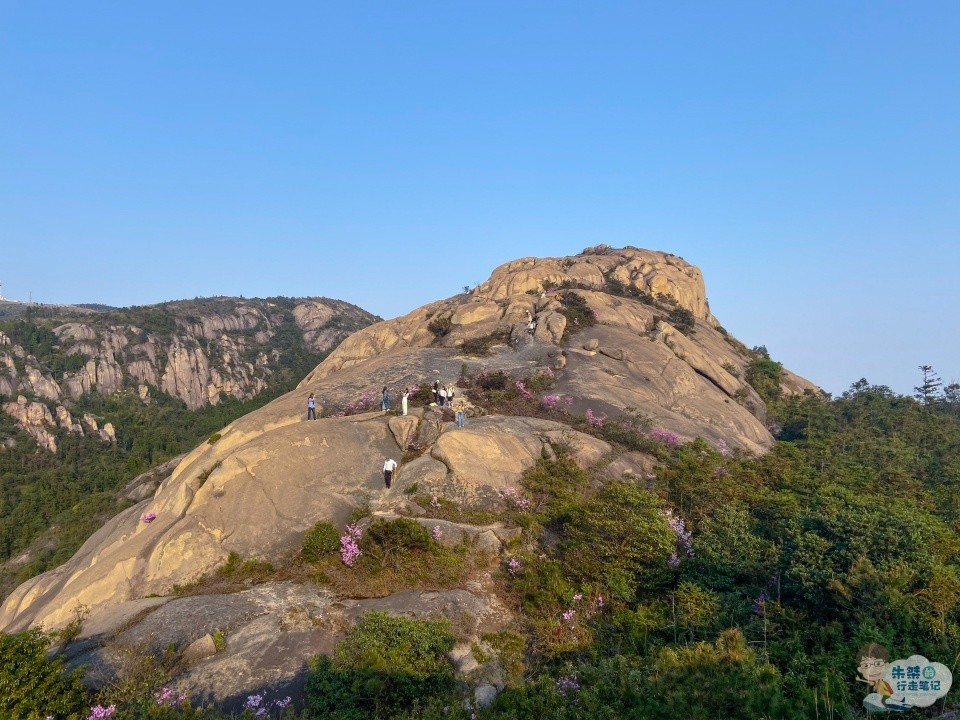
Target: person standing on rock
443,395
460,414
450,395
385,401
436,391
388,467
311,408
404,399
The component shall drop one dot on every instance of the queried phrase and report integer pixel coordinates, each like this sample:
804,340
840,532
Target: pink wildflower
349,546
667,437
594,420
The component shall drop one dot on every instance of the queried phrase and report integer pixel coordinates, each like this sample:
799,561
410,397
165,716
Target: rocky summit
608,336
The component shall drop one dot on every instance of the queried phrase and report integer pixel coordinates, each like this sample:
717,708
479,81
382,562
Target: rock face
192,350
272,474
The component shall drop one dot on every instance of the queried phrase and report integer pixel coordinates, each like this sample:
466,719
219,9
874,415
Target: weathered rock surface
271,476
269,631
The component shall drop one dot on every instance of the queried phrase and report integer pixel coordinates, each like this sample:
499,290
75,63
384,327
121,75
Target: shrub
615,287
35,686
619,540
483,345
385,666
575,309
322,539
682,319
764,375
710,680
440,326
388,540
253,569
555,484
207,472
212,440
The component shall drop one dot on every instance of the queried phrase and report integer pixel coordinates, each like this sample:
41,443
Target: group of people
443,394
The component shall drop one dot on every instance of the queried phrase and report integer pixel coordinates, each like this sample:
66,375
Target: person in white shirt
388,467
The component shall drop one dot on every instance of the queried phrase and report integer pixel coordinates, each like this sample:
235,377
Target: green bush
619,541
440,326
710,680
322,539
33,686
682,319
385,666
389,541
764,375
574,307
554,484
484,344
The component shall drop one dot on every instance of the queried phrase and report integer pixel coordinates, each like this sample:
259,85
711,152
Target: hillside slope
623,356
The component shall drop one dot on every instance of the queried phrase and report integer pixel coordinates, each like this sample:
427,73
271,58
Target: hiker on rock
388,467
311,408
385,399
460,414
404,399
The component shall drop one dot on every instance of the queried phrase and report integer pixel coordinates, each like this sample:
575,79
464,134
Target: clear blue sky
805,155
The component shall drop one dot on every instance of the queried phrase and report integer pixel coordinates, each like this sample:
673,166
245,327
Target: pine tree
927,390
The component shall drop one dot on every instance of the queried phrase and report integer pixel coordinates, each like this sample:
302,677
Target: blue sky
806,156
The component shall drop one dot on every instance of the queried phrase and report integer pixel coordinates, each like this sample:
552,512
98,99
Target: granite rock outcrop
620,332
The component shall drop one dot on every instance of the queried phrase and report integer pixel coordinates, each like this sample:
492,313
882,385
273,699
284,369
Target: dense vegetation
724,585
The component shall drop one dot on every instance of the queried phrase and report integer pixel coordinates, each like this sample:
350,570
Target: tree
927,390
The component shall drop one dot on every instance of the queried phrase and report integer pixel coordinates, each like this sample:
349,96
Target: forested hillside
721,585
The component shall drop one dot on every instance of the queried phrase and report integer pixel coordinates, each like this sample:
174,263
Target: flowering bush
683,535
148,517
514,497
367,401
168,698
514,566
550,401
350,545
436,533
101,712
568,685
594,420
524,392
667,437
759,606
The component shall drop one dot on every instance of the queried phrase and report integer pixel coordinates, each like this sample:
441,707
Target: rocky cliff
197,351
614,333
